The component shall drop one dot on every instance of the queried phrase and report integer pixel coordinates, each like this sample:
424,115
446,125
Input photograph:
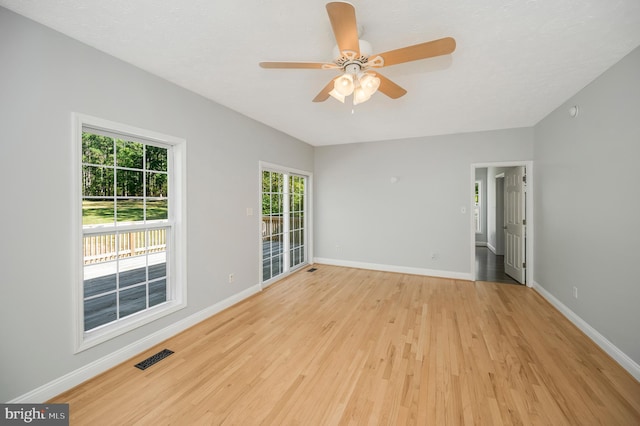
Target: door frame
529,245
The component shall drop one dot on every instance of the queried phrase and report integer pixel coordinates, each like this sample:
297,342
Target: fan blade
324,93
343,21
389,88
429,49
298,65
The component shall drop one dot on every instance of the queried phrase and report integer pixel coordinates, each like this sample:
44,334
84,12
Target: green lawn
95,212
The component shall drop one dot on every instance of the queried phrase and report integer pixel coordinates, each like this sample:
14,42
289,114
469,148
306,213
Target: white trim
176,269
394,268
481,244
612,350
74,378
281,169
529,215
491,247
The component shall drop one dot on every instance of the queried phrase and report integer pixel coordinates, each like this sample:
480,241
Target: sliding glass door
283,222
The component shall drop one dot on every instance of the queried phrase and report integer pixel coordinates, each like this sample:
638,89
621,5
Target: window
477,207
131,228
284,222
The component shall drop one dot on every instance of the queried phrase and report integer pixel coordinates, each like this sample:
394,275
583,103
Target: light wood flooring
348,346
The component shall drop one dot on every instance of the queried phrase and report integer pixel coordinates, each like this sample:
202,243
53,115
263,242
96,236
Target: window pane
98,211
297,256
99,278
276,204
292,202
266,181
157,185
97,181
157,158
266,247
157,242
133,270
266,204
296,185
158,270
99,248
157,292
277,182
131,244
130,183
130,210
133,300
157,209
129,154
99,311
266,269
97,149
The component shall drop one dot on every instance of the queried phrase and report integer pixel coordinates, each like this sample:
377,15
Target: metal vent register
153,359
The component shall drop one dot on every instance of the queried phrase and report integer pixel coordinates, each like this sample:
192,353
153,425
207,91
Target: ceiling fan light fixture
334,93
344,84
360,95
353,56
370,83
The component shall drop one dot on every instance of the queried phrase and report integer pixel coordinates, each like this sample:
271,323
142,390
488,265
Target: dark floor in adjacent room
490,267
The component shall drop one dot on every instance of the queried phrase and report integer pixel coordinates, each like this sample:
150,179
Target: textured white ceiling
515,60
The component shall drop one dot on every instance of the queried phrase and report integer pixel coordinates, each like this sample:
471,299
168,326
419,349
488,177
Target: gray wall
360,216
586,223
43,78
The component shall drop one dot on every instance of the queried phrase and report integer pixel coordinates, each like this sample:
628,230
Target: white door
515,223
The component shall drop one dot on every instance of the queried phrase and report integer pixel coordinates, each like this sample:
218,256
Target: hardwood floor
348,346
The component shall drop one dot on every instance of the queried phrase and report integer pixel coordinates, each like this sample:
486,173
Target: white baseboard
491,247
74,378
614,352
393,268
481,244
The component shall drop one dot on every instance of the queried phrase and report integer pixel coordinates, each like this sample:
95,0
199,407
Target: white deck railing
105,247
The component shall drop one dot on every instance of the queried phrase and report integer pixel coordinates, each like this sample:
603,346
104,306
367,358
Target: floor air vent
312,270
153,359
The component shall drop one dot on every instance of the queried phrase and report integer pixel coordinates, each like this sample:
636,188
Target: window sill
94,337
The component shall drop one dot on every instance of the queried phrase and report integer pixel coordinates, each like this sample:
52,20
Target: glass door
297,252
283,223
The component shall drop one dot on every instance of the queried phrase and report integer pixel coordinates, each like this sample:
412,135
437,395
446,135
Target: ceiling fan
357,64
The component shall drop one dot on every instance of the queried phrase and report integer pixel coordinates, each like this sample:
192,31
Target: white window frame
308,219
176,259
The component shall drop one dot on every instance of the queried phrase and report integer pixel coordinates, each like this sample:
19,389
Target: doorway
502,247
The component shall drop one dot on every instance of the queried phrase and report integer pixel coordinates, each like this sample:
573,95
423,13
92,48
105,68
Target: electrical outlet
575,292
231,278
